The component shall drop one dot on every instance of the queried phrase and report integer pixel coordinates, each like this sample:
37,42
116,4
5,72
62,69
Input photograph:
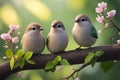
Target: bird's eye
83,20
33,28
58,26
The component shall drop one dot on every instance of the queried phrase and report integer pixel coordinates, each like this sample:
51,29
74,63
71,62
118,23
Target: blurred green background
23,12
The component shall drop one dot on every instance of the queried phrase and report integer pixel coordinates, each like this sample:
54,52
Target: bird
83,32
57,39
33,40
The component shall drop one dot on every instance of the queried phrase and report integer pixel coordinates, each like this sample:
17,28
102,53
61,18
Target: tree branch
112,52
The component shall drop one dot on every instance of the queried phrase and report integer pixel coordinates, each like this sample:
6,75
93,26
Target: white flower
100,31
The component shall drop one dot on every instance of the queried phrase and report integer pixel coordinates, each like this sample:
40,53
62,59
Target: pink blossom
111,13
98,10
102,5
118,41
14,27
5,36
100,19
77,78
15,40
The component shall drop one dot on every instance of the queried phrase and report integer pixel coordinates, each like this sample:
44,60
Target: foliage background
23,12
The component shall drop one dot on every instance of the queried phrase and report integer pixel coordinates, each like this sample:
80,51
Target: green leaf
52,70
19,54
93,61
21,63
28,55
30,61
58,58
99,53
16,65
9,53
12,62
64,62
106,66
89,57
49,65
55,62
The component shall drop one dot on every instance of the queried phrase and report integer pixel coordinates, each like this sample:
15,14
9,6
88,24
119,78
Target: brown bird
84,33
33,39
57,39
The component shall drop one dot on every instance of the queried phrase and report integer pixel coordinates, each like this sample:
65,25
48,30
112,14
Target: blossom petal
111,13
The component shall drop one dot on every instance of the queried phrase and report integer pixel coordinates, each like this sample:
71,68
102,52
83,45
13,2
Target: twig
113,35
114,25
105,28
76,71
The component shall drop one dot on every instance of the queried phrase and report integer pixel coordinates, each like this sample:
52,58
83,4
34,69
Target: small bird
57,39
33,39
84,32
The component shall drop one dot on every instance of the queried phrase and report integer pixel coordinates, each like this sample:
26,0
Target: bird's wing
93,32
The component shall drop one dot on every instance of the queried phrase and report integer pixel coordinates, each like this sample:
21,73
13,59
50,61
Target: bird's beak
77,20
53,25
41,28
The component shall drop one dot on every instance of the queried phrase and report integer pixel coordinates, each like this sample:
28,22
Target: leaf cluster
19,59
51,65
92,57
